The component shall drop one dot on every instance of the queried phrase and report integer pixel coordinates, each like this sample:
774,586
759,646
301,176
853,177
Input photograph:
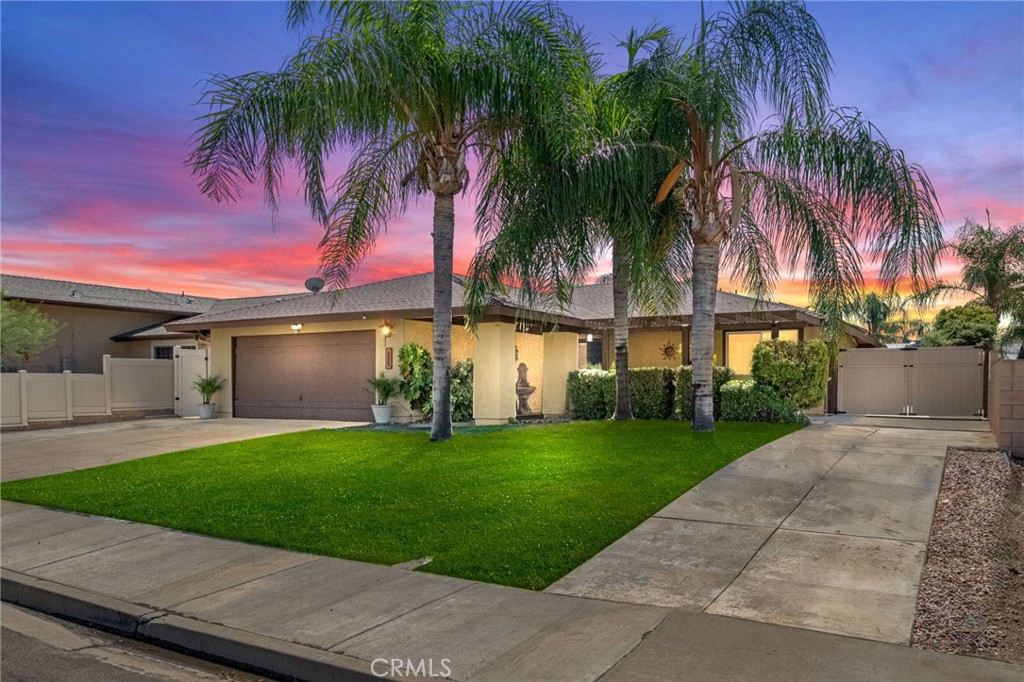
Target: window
166,352
739,347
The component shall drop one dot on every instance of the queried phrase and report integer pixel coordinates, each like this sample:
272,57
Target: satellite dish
314,284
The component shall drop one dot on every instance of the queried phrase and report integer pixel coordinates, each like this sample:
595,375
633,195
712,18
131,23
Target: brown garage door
304,376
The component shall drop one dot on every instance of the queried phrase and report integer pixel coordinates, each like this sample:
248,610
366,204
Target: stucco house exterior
308,356
280,355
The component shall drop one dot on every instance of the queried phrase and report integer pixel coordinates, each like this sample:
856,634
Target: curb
256,653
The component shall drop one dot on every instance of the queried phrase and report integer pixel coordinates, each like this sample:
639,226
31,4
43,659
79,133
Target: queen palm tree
556,203
886,317
412,89
993,265
814,188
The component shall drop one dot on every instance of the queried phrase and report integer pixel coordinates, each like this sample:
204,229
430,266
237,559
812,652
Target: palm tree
413,89
993,265
557,202
992,274
887,317
813,188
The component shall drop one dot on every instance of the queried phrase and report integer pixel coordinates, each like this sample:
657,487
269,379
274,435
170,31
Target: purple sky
97,103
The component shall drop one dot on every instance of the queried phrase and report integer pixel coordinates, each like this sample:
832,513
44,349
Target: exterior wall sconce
297,327
385,330
590,338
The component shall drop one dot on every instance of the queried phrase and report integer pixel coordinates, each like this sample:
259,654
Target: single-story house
309,355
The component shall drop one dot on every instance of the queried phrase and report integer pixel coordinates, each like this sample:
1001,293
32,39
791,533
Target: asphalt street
37,648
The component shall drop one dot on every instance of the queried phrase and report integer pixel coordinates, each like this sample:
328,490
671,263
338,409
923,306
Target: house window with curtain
739,347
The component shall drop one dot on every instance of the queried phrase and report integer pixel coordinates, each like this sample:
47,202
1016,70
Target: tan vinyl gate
935,382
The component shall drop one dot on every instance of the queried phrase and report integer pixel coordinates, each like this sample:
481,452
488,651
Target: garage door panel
304,376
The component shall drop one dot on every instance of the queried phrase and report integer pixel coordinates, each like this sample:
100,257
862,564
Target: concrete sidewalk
825,529
314,618
26,454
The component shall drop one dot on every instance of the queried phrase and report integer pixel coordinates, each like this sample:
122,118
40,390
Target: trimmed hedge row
786,378
654,392
745,400
684,390
591,393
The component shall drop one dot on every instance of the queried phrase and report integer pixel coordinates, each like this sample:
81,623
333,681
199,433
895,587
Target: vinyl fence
126,384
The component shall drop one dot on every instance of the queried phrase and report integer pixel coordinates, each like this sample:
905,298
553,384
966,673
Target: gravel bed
971,599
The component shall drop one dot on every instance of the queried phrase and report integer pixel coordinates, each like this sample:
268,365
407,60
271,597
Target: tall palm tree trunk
620,308
444,238
702,336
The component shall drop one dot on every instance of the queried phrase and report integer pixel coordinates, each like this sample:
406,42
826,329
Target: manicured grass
520,506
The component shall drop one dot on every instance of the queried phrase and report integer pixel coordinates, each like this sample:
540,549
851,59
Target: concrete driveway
825,529
26,454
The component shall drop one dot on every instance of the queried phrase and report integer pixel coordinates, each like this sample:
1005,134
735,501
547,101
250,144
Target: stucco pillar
560,357
494,373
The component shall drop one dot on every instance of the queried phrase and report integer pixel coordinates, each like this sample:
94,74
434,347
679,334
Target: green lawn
516,506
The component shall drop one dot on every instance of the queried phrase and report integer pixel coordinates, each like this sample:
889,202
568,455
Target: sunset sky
98,101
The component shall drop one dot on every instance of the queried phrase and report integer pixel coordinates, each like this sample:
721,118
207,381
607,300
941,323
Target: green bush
417,370
798,373
591,393
462,391
683,390
966,325
745,400
650,392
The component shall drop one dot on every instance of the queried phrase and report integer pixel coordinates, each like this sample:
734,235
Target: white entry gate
188,365
936,382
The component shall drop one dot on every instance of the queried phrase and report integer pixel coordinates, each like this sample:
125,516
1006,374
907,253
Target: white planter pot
207,411
382,414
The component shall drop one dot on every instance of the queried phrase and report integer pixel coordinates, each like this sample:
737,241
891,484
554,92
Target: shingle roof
416,293
410,293
594,302
95,295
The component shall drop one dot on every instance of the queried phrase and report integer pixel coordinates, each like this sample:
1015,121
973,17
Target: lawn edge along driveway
519,507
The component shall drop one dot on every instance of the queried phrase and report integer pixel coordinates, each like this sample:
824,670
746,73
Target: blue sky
98,100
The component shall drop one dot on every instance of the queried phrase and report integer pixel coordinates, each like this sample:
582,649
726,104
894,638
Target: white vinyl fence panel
10,399
89,394
140,384
126,384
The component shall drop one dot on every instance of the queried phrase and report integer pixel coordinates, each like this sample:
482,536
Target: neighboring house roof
62,292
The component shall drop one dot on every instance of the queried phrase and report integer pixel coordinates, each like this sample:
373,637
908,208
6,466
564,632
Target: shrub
462,391
798,373
683,390
417,370
591,393
650,392
966,325
745,400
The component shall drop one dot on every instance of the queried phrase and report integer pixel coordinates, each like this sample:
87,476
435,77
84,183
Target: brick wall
1006,404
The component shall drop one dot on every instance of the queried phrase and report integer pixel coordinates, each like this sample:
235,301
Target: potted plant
385,388
207,386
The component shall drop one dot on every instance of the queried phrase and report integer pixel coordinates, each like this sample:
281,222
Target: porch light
297,327
590,338
385,330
